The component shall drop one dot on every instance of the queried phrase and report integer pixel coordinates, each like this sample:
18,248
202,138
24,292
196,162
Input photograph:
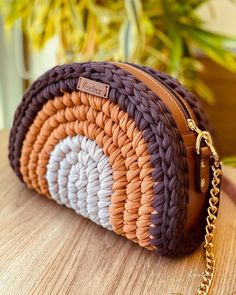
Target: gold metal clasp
203,136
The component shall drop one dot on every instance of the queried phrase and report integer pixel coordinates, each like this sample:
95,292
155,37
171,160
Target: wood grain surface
48,249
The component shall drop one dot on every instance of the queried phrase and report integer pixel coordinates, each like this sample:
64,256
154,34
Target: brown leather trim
196,200
203,170
165,95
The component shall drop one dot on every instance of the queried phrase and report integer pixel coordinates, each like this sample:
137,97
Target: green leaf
106,13
217,40
155,56
212,45
134,13
204,92
127,42
176,52
76,17
160,35
231,161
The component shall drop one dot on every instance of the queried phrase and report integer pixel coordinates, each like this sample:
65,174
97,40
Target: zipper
186,113
182,104
180,110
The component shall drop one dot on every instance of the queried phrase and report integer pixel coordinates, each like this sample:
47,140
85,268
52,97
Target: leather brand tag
93,87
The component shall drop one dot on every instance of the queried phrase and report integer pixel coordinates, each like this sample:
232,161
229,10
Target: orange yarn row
112,129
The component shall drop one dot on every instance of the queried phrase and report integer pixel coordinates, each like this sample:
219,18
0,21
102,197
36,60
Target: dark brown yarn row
174,85
193,238
160,132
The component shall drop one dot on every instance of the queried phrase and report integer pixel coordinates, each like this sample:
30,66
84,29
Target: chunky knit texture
80,177
133,129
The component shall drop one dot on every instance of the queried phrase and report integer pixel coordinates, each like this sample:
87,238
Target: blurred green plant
164,34
167,35
230,161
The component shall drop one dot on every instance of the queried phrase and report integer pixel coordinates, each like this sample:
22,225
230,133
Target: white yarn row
79,176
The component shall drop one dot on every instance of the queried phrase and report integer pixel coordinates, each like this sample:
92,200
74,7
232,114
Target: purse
125,146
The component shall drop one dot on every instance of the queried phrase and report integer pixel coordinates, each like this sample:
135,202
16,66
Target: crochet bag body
123,145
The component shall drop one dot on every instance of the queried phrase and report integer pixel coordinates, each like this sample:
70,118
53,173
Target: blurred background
192,40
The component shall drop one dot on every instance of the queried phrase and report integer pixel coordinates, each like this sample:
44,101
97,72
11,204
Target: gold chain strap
212,209
210,227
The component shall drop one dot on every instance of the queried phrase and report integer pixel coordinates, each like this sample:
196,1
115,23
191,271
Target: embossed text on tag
93,87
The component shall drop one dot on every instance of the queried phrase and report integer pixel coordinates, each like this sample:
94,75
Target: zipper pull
192,125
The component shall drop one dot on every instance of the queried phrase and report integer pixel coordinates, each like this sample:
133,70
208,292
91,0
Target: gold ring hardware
203,136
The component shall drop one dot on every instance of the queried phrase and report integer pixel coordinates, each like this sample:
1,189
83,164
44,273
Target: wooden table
48,249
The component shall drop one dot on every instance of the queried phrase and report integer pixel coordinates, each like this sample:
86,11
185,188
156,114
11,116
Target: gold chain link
208,274
210,227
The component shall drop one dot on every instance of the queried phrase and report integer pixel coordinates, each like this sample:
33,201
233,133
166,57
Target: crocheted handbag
125,146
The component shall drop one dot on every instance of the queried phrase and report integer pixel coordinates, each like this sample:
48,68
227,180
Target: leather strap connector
202,170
